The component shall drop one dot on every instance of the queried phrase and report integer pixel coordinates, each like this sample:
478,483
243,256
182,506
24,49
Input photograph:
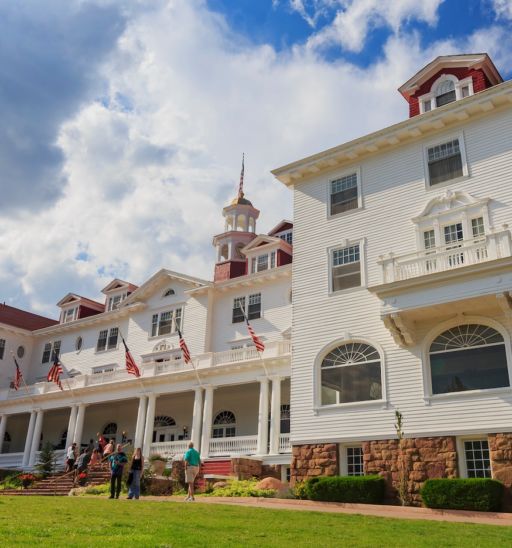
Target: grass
73,521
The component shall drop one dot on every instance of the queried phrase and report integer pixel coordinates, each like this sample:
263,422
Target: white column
150,423
79,426
28,440
71,426
3,426
197,416
263,418
141,420
275,416
36,438
207,421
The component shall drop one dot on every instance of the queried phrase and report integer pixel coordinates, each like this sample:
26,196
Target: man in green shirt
192,460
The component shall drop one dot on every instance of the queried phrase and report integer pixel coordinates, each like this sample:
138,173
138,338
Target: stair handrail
11,477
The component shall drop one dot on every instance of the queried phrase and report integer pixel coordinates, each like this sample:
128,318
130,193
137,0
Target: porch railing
238,445
448,257
169,449
10,460
284,443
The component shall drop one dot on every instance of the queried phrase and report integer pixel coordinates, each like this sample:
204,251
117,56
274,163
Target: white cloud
503,9
149,166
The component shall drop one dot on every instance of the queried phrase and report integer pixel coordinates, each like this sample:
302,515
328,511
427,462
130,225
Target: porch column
207,421
195,435
141,419
275,415
28,441
263,418
3,427
150,423
71,426
36,438
79,426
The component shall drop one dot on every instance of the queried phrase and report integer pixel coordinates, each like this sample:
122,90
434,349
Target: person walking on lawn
192,460
136,468
116,462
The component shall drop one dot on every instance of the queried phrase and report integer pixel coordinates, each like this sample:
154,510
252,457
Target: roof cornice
412,129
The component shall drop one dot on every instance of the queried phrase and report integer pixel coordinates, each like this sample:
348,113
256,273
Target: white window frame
111,306
317,378
440,141
52,350
74,315
343,456
362,261
173,312
246,296
286,236
431,95
254,261
461,453
428,396
345,173
109,334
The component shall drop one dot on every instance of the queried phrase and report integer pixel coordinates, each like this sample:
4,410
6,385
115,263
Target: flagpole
22,377
259,353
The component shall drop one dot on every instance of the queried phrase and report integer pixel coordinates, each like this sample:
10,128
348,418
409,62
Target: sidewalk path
384,511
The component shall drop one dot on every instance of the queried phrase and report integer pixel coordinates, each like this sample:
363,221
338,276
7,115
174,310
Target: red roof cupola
449,78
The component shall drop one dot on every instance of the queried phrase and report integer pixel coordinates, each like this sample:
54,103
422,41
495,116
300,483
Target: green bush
241,488
363,489
480,494
300,490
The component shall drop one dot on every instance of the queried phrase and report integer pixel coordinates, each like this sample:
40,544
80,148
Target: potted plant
27,480
157,463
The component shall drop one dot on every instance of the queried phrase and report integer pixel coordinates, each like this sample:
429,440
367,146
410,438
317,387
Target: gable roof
73,297
281,226
23,319
116,283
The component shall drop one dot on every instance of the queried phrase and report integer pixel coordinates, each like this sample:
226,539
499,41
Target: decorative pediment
448,202
70,298
261,241
117,285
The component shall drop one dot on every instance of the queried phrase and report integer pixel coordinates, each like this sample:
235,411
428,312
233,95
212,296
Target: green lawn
100,522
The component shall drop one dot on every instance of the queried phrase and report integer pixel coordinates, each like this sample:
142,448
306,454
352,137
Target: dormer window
263,262
69,315
115,301
445,93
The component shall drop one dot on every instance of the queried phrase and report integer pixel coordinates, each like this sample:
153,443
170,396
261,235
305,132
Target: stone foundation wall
500,449
309,461
246,468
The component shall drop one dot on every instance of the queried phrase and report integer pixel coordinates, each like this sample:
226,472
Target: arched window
445,93
224,425
162,421
168,292
468,357
110,429
350,373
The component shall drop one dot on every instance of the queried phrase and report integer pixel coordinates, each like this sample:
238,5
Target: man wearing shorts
192,462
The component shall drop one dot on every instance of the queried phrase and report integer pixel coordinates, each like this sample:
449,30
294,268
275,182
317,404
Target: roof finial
241,186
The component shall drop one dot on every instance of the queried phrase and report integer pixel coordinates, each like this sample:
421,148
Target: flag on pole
258,343
131,366
55,371
18,377
184,348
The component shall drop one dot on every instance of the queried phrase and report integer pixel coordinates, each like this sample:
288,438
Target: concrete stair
61,484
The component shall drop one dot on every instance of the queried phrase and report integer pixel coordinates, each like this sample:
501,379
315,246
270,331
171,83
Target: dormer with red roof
75,307
449,78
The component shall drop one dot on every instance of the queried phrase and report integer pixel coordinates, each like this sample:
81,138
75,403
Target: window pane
345,256
254,310
154,325
262,262
465,91
177,319
476,368
477,226
353,383
453,233
165,325
272,259
355,461
102,340
46,353
478,463
238,308
427,106
112,340
56,349
444,162
429,239
344,194
445,98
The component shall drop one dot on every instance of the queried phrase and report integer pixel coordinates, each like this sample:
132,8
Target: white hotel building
402,280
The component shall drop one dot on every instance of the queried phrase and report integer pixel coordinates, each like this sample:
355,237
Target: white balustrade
284,443
238,445
447,257
170,449
10,460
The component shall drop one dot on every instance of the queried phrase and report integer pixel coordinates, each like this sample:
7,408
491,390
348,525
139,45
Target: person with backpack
116,462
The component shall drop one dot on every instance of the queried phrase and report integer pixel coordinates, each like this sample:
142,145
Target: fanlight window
169,292
110,429
351,373
468,357
161,421
223,425
445,93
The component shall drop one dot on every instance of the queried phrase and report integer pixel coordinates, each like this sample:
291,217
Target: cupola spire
241,185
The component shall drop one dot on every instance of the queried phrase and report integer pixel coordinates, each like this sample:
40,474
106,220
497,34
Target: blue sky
124,121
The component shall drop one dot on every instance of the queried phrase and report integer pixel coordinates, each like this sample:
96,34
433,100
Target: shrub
364,489
47,460
242,488
463,494
300,490
156,457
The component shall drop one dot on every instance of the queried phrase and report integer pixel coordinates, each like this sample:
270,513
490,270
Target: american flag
258,343
55,371
18,377
131,366
241,186
184,348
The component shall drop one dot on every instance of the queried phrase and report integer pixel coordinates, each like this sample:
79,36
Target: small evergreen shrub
300,490
480,494
362,489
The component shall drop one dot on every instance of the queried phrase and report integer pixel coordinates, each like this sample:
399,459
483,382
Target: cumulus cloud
148,163
503,9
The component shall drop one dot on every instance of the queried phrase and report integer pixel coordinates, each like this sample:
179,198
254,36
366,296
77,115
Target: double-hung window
115,301
354,461
346,267
476,459
2,348
344,194
107,339
69,315
166,322
444,162
50,351
263,262
253,310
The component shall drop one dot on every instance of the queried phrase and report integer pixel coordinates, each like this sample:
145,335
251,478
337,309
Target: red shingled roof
23,319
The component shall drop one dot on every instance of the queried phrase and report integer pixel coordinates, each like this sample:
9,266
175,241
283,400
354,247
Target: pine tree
46,464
